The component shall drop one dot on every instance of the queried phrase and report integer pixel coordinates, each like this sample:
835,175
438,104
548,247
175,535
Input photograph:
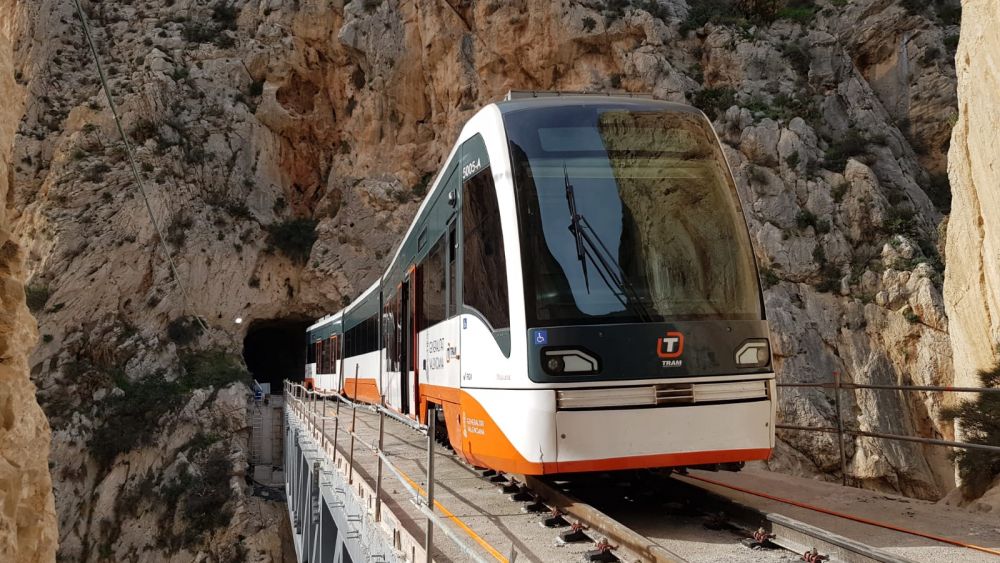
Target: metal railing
837,385
311,406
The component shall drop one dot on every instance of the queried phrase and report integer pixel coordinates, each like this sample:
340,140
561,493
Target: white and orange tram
576,293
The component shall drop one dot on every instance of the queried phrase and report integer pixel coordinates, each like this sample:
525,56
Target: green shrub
792,160
851,144
760,10
212,368
768,278
198,32
205,504
714,101
178,228
798,56
799,11
184,330
805,218
951,42
36,296
225,16
980,421
702,12
294,238
589,23
143,130
131,419
949,14
938,189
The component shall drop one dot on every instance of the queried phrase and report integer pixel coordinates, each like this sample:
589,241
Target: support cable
131,161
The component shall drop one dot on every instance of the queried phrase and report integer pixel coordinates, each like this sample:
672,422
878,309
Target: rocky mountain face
284,147
27,511
972,279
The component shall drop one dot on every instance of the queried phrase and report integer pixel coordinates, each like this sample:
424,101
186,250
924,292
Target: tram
577,293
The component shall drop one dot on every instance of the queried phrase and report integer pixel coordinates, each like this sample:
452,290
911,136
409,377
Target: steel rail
935,388
866,434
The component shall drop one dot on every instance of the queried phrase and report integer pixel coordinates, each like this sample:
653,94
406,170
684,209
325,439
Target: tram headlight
570,361
555,364
754,353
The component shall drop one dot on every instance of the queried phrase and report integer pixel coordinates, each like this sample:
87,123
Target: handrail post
336,430
350,459
840,428
378,478
322,426
429,544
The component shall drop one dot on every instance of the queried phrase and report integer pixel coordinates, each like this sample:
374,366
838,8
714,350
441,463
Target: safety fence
837,385
311,408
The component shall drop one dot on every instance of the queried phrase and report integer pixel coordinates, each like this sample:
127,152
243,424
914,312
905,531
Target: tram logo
669,348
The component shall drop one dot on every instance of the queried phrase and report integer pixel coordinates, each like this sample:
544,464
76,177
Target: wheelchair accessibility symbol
541,337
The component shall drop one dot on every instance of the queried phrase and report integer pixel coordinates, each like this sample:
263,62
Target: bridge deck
476,504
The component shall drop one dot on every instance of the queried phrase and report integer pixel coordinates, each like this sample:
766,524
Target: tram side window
484,265
434,285
311,353
452,283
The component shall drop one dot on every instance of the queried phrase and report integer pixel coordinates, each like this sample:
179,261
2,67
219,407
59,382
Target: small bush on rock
294,238
714,101
184,330
36,296
980,421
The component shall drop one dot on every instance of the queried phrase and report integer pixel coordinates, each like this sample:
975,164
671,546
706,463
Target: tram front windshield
627,214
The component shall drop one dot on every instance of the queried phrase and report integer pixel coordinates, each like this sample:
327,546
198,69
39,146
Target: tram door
453,332
406,347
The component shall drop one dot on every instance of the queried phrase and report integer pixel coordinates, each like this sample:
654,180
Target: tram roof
519,100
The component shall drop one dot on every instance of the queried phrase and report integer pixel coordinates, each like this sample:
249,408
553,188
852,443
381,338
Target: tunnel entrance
275,350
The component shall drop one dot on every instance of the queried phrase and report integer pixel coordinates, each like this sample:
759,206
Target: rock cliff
27,511
260,128
972,279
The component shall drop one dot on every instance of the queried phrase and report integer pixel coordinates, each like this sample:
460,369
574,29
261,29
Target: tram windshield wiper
589,245
574,226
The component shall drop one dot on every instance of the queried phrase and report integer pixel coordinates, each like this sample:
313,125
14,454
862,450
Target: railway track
635,516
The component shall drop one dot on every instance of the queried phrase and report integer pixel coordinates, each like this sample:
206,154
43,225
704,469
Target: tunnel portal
275,350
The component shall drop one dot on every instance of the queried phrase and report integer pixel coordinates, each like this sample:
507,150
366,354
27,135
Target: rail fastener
814,556
555,519
602,552
575,534
536,505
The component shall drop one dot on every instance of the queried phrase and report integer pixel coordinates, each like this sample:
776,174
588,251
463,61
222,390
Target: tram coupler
498,478
760,539
555,519
602,552
575,534
536,506
814,556
487,472
509,488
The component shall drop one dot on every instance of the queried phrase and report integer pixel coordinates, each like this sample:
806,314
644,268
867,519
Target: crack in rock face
285,148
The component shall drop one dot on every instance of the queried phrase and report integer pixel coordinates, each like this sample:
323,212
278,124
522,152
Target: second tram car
576,293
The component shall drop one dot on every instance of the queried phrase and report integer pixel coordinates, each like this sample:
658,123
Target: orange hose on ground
848,516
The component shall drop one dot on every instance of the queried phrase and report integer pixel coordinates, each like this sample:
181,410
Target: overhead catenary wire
131,160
